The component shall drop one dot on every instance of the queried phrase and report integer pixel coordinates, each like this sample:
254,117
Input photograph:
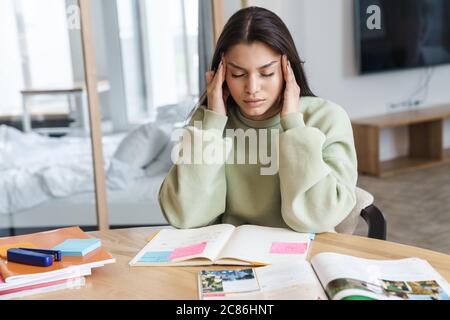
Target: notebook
224,244
78,247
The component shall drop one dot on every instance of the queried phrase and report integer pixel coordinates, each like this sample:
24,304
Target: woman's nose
252,85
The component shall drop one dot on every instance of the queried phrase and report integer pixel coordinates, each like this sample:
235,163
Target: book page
293,280
184,247
265,245
412,278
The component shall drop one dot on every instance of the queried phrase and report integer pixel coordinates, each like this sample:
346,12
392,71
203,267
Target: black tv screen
402,34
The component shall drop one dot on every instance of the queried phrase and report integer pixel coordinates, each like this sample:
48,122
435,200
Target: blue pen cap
29,257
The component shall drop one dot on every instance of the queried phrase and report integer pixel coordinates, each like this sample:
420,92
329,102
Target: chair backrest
349,224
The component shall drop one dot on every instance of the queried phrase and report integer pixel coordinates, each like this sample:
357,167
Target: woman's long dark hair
254,24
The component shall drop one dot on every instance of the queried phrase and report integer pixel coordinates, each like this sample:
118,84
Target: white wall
11,75
323,32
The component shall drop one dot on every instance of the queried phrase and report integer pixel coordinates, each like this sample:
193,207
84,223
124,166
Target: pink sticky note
188,251
288,247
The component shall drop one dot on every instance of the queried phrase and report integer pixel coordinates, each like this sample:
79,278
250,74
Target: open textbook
224,244
328,276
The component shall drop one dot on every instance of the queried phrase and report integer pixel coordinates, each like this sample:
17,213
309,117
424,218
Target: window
172,54
11,80
35,50
159,54
131,52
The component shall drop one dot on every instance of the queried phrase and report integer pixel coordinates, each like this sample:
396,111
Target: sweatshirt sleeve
193,193
318,169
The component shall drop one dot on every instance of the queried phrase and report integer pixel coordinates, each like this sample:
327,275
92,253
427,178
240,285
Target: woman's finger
287,71
209,76
217,75
221,73
290,73
224,70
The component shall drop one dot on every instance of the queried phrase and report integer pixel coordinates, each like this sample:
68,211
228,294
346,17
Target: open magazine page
293,281
347,277
264,245
170,246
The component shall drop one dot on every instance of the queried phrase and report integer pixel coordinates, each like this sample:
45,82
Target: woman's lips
254,103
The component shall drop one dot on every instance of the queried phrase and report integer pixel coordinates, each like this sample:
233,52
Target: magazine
328,276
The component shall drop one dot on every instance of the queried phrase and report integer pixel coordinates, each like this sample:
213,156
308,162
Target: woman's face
255,79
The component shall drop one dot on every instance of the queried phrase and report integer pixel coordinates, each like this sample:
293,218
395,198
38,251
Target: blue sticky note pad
78,247
162,256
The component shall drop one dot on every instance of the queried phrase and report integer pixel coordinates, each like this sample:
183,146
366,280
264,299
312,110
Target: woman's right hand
217,96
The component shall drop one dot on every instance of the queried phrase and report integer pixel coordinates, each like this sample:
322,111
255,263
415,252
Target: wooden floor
416,206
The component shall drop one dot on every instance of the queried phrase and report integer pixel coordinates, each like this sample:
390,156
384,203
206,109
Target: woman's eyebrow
263,67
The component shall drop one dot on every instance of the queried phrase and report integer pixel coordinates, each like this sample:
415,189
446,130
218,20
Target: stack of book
80,253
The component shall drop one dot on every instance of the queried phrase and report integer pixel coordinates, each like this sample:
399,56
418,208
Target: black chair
366,210
376,222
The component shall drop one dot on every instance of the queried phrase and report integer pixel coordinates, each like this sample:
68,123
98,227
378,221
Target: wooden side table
426,143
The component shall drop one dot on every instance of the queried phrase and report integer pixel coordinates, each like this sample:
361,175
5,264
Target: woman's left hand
291,96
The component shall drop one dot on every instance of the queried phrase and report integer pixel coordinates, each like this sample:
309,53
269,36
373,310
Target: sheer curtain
35,51
205,40
170,49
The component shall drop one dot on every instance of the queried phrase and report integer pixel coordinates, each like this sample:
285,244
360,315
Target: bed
134,206
48,182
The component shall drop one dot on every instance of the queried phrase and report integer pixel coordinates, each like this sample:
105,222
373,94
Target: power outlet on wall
404,104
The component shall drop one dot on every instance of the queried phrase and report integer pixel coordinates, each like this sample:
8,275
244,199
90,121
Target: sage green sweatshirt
313,189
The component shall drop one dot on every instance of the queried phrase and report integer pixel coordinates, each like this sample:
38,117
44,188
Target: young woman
258,87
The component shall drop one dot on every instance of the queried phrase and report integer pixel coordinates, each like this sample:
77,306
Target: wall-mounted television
401,34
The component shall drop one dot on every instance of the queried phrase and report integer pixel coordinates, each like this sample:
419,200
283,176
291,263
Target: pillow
162,163
142,145
120,175
175,112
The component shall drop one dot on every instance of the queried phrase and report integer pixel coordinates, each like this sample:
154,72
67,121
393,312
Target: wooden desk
119,281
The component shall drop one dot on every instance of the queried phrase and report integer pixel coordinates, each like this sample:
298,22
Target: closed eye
241,75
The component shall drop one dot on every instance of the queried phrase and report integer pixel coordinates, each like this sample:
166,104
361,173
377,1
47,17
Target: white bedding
35,169
136,205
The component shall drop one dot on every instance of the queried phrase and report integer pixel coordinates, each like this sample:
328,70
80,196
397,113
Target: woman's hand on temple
217,97
291,95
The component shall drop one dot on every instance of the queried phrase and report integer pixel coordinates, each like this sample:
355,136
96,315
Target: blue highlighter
30,257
